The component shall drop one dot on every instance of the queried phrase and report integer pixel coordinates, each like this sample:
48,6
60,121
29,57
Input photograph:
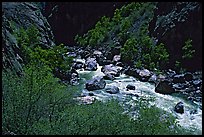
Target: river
187,120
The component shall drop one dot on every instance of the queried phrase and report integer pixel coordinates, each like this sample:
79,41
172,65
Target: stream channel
190,119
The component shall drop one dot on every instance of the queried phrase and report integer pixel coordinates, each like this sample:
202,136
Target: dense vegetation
32,52
137,46
129,29
37,103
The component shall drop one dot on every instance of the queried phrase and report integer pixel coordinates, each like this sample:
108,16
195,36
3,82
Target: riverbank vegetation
37,103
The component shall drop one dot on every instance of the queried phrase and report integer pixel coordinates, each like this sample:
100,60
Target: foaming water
190,119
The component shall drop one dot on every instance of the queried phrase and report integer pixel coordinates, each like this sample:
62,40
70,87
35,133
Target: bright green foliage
27,40
160,55
129,50
95,36
54,57
28,99
32,52
144,53
188,50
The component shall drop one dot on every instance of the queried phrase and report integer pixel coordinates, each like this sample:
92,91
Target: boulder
97,53
72,76
78,64
197,82
71,54
119,64
95,83
86,100
171,73
103,61
84,54
130,87
144,75
153,79
112,90
91,64
188,76
114,51
111,71
164,87
74,80
179,86
116,58
179,78
161,77
179,108
109,76
132,72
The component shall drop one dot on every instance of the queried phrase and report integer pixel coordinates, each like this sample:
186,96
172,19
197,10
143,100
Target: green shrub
129,50
28,41
29,98
96,35
188,50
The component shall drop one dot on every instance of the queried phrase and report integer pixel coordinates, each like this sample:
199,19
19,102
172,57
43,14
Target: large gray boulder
164,87
111,71
95,83
144,75
112,90
91,64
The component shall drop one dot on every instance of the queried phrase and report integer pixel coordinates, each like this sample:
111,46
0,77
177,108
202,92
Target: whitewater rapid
187,120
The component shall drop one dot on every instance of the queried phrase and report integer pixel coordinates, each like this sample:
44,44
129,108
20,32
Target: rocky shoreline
188,84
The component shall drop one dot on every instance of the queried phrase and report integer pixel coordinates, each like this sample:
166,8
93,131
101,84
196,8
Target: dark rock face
173,24
76,17
22,14
164,87
112,90
179,108
71,76
95,83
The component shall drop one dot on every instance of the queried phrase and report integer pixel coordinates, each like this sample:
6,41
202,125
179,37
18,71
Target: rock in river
179,108
95,83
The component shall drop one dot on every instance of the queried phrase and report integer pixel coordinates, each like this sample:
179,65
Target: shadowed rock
95,83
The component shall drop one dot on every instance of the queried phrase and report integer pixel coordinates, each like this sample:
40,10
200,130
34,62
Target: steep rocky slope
21,14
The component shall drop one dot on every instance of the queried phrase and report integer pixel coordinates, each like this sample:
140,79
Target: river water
187,120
